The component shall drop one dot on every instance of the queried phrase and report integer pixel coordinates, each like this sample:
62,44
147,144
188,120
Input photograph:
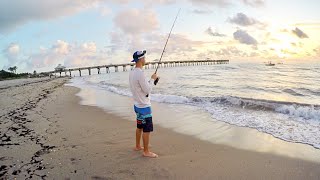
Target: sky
39,35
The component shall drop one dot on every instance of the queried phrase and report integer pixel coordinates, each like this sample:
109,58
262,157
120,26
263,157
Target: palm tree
15,69
11,69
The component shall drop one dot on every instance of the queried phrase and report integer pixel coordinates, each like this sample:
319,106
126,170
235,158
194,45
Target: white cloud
105,11
158,2
219,3
70,55
254,3
202,11
12,54
84,55
135,21
15,13
61,47
49,57
178,45
244,38
120,1
211,33
230,51
12,50
243,20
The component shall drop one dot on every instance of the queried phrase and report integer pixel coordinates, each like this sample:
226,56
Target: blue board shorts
144,118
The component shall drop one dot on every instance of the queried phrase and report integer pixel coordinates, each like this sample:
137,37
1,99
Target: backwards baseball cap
138,55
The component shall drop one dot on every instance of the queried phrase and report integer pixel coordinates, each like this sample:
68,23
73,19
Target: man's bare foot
150,154
138,148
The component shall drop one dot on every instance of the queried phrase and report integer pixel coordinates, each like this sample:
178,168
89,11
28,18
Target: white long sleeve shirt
140,87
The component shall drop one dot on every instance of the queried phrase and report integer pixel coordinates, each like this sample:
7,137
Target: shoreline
88,142
194,121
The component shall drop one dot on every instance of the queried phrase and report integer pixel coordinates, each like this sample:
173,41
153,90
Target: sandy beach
46,133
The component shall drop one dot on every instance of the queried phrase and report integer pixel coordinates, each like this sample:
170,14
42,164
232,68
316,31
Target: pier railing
148,65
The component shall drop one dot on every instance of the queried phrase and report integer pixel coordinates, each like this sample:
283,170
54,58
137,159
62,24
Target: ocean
282,101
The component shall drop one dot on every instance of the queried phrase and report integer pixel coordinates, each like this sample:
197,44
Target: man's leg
146,152
138,138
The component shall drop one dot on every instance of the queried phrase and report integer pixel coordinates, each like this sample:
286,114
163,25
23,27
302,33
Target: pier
148,65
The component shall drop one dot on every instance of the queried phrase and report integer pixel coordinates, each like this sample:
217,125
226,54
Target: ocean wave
306,111
292,92
310,91
173,99
115,89
289,121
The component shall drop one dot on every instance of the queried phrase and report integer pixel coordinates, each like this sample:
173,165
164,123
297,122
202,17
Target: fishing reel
156,81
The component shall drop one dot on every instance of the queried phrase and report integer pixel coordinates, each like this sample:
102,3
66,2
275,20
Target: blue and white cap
138,55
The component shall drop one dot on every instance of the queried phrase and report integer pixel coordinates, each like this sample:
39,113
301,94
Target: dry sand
45,133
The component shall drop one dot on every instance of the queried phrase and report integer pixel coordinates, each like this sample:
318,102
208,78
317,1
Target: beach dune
46,133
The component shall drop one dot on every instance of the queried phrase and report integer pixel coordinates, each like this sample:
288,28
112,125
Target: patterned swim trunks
144,119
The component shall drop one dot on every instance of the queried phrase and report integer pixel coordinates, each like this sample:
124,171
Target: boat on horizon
270,64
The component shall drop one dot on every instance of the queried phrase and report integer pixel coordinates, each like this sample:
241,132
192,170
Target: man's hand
154,76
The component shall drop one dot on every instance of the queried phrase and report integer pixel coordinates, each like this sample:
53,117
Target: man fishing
141,88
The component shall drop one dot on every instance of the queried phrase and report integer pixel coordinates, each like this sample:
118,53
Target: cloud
12,50
308,24
105,11
219,3
210,32
135,21
61,52
254,3
230,52
12,54
157,2
177,43
200,11
179,46
244,38
49,57
299,33
243,20
288,52
120,1
15,13
317,52
85,54
283,30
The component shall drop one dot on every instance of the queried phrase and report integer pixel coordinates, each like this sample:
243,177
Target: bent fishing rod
158,78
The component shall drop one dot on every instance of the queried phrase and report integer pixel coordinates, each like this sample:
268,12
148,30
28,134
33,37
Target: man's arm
146,85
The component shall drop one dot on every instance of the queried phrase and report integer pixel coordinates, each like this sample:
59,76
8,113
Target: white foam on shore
196,121
308,112
287,122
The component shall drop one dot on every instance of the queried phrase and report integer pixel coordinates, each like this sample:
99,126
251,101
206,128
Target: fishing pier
148,65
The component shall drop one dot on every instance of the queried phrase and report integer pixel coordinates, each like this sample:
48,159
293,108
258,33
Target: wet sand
46,133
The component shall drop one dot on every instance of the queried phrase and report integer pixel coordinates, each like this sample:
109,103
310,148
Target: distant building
60,68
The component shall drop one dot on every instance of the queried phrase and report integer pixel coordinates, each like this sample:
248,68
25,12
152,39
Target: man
141,89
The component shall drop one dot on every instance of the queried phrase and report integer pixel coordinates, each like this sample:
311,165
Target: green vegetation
13,69
5,75
10,75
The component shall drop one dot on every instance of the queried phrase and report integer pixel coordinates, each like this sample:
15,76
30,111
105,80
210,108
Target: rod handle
156,81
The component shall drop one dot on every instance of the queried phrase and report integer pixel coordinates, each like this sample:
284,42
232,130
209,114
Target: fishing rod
158,78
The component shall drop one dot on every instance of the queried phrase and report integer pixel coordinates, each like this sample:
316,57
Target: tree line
12,74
